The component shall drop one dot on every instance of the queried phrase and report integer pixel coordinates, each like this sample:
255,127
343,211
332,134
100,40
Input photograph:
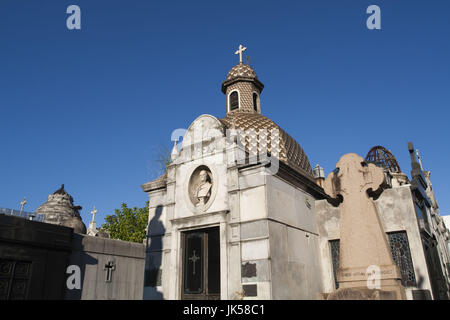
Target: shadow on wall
153,270
420,280
80,259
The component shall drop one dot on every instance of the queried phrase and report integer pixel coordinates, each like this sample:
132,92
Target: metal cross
194,259
93,214
109,267
240,50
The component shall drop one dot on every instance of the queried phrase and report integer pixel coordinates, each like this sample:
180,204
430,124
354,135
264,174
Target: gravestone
366,268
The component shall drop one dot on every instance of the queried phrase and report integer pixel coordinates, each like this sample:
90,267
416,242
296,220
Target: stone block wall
92,254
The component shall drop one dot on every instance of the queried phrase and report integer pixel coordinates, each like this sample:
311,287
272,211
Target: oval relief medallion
201,187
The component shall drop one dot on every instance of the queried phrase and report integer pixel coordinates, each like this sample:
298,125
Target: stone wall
33,259
255,276
397,213
295,264
91,254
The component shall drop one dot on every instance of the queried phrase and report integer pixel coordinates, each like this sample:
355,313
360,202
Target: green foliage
163,158
127,224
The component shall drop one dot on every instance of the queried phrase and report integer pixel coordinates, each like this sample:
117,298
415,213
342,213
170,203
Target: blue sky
93,108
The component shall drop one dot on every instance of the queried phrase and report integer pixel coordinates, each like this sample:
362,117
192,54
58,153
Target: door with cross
201,264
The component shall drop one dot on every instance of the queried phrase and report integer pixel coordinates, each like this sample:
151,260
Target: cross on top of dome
239,52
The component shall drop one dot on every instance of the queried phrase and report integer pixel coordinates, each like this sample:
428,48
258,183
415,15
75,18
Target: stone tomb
367,270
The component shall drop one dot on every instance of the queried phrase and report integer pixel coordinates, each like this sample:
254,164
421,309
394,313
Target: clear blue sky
91,108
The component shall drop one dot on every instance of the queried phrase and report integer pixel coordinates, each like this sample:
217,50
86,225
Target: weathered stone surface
361,294
255,271
59,209
248,270
93,254
36,253
254,229
363,244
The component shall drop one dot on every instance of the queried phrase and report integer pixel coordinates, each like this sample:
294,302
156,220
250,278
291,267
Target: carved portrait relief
200,186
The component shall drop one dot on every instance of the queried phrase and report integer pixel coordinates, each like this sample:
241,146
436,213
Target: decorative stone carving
203,137
363,243
200,186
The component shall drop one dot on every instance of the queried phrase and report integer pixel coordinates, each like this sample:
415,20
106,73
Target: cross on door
109,267
194,259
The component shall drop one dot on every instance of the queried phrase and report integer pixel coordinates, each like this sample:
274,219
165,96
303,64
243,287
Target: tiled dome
289,151
241,70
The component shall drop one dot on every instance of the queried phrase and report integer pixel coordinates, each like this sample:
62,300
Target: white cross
418,157
93,214
22,204
194,259
240,50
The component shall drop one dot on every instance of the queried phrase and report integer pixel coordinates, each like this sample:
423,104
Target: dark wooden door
201,264
14,279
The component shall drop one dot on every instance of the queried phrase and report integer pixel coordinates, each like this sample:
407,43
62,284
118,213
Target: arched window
234,100
255,101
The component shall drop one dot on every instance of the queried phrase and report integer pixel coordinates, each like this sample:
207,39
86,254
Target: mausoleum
239,213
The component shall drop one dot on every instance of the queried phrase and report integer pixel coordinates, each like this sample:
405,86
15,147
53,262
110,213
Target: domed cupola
243,113
59,209
242,88
287,150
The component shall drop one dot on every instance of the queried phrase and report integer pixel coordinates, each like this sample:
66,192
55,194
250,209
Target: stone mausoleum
42,259
241,214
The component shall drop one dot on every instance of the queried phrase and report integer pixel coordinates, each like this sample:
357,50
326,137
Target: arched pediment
203,136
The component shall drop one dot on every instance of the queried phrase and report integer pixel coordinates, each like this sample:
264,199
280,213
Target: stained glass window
398,241
334,247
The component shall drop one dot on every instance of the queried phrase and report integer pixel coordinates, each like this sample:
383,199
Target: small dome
382,158
289,151
59,209
242,73
241,70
